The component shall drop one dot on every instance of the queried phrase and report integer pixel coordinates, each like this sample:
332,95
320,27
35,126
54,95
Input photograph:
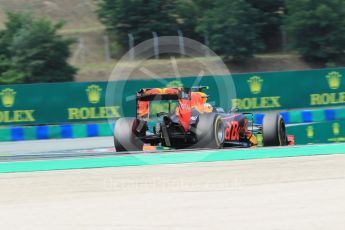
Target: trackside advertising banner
59,103
290,90
318,133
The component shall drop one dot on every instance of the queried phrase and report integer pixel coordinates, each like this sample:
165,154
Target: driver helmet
204,97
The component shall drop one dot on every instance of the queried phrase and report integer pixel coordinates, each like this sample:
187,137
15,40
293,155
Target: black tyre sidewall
125,138
274,130
207,131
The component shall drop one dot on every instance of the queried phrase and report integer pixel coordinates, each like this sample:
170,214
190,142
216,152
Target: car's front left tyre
273,130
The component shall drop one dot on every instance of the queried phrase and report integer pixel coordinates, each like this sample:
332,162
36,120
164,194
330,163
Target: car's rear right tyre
210,131
125,136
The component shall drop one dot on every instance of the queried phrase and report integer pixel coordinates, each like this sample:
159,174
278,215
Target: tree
270,16
32,51
317,28
189,14
8,72
233,29
139,17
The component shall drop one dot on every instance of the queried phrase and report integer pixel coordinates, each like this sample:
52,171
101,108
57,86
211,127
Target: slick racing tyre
125,135
273,130
210,131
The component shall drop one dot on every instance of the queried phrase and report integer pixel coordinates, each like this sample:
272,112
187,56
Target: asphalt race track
49,146
279,188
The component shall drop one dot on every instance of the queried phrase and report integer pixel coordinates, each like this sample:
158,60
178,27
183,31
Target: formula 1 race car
190,122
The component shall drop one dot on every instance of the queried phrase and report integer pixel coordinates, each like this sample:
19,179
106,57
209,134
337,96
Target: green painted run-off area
171,158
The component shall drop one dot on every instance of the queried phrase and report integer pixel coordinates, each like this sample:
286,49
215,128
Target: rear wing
182,95
164,94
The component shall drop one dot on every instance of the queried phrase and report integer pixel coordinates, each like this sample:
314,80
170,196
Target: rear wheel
210,131
273,131
126,136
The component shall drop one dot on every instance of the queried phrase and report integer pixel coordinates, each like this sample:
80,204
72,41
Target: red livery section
184,113
232,131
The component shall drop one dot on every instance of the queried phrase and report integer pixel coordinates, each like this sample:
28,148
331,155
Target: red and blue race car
190,122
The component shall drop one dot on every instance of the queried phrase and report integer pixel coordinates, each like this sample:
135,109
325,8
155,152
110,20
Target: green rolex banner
324,132
54,103
58,103
290,90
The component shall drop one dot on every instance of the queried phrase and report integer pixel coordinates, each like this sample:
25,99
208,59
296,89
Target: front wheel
125,135
210,131
273,130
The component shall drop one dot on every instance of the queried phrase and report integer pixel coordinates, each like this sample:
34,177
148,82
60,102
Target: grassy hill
78,14
88,53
